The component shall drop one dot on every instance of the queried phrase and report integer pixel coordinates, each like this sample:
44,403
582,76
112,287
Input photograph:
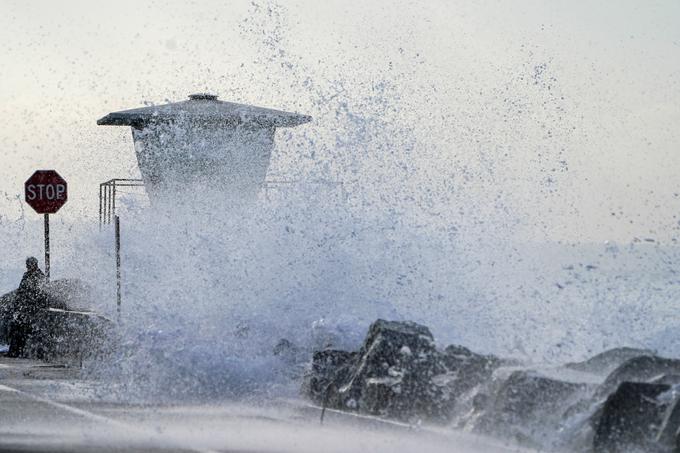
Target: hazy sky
570,109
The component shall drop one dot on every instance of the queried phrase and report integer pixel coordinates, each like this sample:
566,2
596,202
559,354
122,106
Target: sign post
46,192
47,246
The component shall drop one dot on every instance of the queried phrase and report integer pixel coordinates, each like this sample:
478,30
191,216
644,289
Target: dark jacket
30,297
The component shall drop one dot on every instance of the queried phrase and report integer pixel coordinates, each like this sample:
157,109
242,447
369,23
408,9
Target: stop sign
46,191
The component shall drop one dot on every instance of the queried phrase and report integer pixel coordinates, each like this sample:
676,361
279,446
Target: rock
645,370
630,418
638,369
330,370
470,369
528,407
394,371
668,436
72,336
6,307
465,392
607,361
397,373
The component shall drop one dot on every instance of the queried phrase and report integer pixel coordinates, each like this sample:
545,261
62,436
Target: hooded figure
29,301
33,279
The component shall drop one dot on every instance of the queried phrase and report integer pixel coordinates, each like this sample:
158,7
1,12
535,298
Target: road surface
48,408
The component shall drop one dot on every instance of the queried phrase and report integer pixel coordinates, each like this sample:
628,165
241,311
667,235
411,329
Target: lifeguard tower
203,146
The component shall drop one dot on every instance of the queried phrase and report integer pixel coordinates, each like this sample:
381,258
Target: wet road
47,408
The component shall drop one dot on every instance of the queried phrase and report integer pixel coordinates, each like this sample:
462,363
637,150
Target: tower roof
205,107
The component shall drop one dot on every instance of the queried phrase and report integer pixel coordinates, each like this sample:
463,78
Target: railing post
108,203
100,207
113,199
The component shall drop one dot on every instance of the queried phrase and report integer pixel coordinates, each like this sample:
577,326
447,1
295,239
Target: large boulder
603,419
631,418
397,373
644,368
393,374
528,407
71,336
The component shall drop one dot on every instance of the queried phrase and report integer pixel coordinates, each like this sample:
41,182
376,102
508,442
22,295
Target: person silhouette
28,302
33,278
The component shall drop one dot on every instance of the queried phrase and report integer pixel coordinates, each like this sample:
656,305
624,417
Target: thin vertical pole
109,190
113,198
108,204
47,247
118,286
100,207
106,200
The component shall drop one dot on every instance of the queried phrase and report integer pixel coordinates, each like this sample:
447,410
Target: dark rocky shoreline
621,400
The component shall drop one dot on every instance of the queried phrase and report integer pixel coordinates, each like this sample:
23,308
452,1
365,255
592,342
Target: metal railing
107,197
108,192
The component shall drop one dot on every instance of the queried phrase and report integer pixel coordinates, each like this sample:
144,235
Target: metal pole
47,247
118,286
105,200
113,202
100,207
109,190
106,204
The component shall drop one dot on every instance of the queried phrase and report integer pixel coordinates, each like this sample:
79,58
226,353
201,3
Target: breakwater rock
620,400
397,373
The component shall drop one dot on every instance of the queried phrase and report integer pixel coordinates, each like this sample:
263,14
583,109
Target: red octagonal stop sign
46,191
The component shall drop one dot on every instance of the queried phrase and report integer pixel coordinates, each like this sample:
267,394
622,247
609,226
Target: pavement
49,408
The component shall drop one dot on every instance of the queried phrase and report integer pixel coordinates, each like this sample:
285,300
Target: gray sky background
569,108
